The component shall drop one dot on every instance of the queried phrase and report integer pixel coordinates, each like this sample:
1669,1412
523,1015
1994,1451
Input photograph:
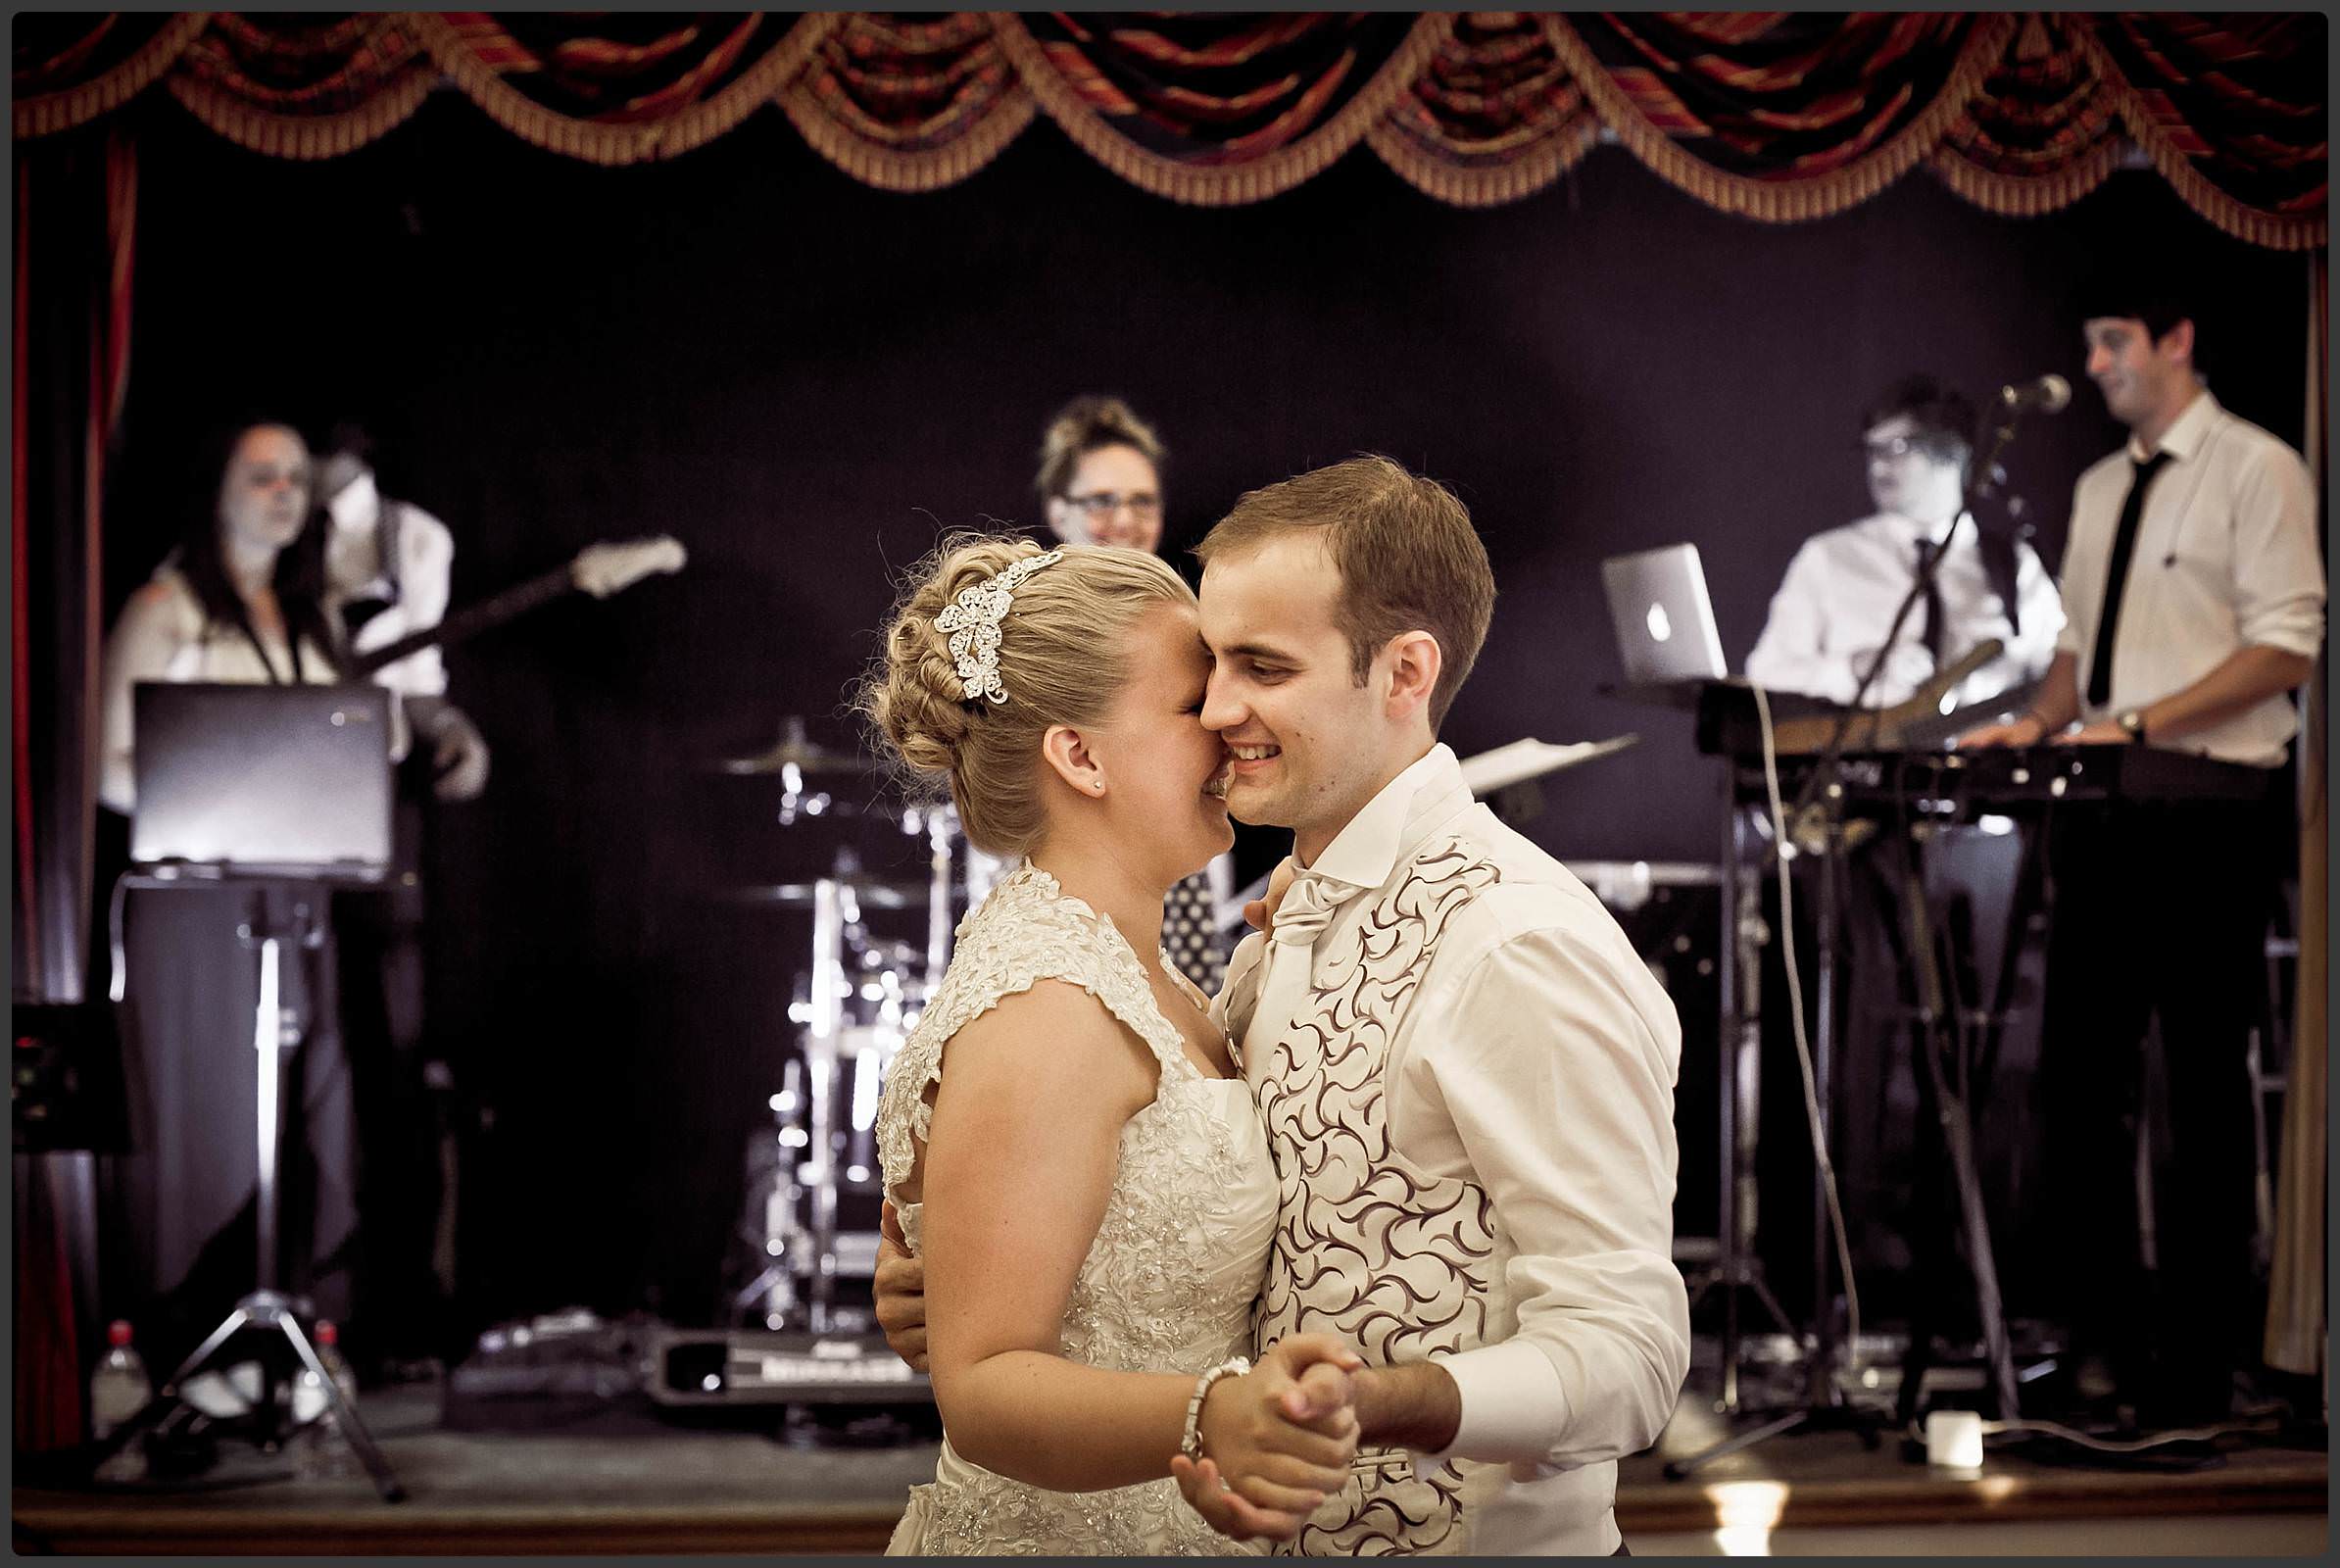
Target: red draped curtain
1775,116
1779,116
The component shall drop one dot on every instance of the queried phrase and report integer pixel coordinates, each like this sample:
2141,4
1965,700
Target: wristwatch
2133,722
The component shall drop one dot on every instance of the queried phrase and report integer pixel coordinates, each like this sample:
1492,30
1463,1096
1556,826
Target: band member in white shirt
389,569
1829,617
2196,596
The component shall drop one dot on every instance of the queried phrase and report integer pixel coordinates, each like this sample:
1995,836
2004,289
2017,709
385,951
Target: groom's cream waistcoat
1419,1210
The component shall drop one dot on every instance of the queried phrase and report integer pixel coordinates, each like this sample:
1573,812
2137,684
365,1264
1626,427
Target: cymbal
801,894
805,756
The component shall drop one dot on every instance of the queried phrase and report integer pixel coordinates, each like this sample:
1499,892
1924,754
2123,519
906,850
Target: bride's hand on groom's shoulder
1275,1441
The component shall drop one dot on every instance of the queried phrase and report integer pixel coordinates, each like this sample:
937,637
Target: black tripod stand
277,1028
1825,1406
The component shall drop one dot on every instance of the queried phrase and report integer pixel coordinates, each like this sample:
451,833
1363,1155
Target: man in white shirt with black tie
1837,601
2196,596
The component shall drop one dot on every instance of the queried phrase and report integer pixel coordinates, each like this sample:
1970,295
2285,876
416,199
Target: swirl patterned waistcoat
1397,1263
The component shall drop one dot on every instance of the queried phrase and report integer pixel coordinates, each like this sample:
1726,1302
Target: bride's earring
1096,786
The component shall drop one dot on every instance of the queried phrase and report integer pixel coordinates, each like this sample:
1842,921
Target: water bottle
321,1448
117,1390
329,1351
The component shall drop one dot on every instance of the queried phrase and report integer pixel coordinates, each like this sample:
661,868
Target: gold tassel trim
1487,184
1773,201
892,168
77,106
1228,186
305,136
595,142
2026,195
2276,232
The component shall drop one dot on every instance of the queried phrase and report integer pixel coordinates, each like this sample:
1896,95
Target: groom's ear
1068,754
1414,660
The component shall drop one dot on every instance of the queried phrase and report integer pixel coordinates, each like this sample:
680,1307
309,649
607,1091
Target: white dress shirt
1837,601
420,583
1535,1065
2225,558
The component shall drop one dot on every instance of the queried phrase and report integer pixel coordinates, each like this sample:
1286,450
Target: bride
1066,1138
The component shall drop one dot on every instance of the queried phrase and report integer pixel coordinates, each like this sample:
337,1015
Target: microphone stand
1825,1404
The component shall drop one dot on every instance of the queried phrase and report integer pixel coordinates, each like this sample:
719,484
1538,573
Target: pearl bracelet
1189,1441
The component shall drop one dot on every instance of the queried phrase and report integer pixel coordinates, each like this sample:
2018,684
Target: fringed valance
1778,116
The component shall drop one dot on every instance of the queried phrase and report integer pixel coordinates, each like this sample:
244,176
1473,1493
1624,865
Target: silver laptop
264,780
1665,620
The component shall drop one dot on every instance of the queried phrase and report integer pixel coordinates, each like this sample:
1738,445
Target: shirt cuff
1514,1406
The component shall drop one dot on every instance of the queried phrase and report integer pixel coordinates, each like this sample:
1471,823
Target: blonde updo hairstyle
1063,660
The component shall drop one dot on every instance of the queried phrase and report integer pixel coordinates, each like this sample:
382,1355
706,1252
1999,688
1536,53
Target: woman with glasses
1100,478
1101,483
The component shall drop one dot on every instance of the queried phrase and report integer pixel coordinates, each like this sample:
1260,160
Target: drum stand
819,1151
279,1028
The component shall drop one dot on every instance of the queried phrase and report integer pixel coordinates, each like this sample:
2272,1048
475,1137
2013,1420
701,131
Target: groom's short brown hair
1408,559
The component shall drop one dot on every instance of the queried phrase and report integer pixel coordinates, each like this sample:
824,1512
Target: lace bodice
1169,1282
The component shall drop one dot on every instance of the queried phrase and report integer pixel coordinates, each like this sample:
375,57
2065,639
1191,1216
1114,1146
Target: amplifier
758,1366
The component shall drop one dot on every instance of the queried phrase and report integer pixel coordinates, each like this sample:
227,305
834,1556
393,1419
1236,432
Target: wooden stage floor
632,1482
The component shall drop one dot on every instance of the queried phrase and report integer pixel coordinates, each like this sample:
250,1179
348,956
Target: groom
1465,1071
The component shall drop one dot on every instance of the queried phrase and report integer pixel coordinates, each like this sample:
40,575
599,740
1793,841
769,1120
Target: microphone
2049,395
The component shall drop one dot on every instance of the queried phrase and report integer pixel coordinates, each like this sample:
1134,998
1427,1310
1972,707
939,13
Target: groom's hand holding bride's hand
1282,1437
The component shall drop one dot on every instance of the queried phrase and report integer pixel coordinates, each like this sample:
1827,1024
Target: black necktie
2125,545
1931,631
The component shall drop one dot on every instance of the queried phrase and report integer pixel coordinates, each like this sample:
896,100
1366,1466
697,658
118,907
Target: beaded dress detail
1169,1282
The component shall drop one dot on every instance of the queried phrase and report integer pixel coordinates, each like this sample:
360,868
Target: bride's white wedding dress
1169,1283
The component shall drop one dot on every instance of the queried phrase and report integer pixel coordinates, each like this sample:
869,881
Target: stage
629,1479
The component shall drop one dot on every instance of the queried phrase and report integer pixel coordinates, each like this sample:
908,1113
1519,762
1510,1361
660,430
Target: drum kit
885,878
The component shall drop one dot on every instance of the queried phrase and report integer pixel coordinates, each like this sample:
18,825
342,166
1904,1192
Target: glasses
1102,503
1902,445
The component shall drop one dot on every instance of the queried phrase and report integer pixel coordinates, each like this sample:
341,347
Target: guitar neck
471,621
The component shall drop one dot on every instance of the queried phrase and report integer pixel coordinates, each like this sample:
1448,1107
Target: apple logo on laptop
1660,628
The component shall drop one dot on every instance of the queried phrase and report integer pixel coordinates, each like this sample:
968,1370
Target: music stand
314,763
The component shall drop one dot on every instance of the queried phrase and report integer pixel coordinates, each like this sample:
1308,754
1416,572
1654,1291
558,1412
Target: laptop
1665,621
289,781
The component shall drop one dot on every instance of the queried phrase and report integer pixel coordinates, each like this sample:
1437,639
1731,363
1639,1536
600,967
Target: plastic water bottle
321,1449
117,1390
329,1351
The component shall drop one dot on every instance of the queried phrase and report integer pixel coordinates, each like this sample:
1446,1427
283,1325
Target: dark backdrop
804,379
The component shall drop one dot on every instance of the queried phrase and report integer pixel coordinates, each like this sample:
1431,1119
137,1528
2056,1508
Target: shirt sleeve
2279,573
425,579
2042,611
1789,655
1556,1070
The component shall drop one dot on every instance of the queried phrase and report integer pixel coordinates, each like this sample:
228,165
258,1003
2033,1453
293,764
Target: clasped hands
1275,1441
